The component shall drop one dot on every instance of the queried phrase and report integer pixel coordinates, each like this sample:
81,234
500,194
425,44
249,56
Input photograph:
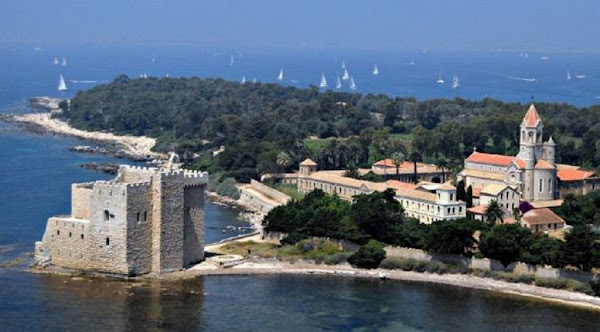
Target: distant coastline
132,147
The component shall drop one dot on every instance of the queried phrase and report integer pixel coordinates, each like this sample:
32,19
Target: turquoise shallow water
36,173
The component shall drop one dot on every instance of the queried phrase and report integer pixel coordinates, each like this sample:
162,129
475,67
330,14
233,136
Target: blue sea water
36,172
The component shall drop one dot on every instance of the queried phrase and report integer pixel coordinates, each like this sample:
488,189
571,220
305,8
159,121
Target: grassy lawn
314,249
290,190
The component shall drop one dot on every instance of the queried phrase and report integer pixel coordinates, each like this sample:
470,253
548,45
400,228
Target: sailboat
254,80
231,60
323,83
345,77
338,83
280,77
64,62
153,59
375,70
455,83
352,84
243,79
343,64
55,61
568,75
440,80
62,86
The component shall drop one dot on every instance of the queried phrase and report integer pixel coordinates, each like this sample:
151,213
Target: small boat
343,64
338,83
544,58
64,62
440,80
352,84
323,83
580,76
153,59
231,60
412,62
62,86
568,75
55,61
346,76
375,70
280,77
455,83
243,79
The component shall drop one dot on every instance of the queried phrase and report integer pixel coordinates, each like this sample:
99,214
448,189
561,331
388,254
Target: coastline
273,267
133,147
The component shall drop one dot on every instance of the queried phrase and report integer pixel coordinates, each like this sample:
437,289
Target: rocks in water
104,167
89,149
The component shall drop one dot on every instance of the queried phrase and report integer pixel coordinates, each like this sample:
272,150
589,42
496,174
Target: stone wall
167,223
80,200
139,228
193,235
486,264
270,192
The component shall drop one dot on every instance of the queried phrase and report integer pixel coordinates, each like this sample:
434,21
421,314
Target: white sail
440,80
231,60
568,75
64,62
323,83
254,80
62,86
338,83
345,77
375,70
455,83
343,64
352,84
280,77
55,61
153,59
243,79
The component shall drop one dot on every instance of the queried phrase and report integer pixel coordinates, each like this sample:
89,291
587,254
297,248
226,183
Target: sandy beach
273,267
135,147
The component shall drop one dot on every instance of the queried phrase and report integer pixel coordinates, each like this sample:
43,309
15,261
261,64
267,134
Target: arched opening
436,179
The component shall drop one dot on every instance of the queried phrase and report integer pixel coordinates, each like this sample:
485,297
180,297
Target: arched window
541,185
107,241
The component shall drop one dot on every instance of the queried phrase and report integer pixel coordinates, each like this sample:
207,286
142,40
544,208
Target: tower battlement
145,220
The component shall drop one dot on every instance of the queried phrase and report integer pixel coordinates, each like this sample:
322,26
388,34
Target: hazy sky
546,25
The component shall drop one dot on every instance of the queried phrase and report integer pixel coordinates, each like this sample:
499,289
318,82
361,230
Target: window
106,215
145,215
138,216
107,241
82,236
70,234
541,184
58,232
549,186
451,197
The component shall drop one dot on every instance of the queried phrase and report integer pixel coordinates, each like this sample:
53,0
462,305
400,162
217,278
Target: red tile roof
541,216
542,164
491,159
400,184
476,192
479,209
390,163
573,174
532,117
308,162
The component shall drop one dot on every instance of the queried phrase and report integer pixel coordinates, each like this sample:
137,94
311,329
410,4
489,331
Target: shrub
368,256
515,278
581,287
227,188
337,258
558,283
478,255
292,238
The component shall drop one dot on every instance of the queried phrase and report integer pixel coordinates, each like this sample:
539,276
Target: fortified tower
146,220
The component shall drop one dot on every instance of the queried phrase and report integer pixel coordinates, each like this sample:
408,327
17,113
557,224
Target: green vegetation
368,256
396,263
288,189
256,122
378,216
318,250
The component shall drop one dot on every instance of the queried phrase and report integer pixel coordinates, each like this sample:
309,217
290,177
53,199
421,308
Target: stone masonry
146,220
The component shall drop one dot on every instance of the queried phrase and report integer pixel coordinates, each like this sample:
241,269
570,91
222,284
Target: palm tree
352,172
493,212
442,163
414,157
284,160
397,159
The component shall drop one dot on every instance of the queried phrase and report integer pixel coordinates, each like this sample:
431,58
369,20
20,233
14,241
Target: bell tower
531,148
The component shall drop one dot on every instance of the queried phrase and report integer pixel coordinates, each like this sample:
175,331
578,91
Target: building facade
146,220
427,204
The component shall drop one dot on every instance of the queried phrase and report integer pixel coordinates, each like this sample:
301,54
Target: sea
36,172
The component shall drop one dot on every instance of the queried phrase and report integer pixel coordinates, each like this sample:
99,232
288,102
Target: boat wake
525,79
85,82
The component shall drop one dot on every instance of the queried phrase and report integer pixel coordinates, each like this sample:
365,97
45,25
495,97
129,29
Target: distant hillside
257,122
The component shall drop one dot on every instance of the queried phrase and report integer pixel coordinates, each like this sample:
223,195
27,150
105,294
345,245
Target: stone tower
530,150
307,167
